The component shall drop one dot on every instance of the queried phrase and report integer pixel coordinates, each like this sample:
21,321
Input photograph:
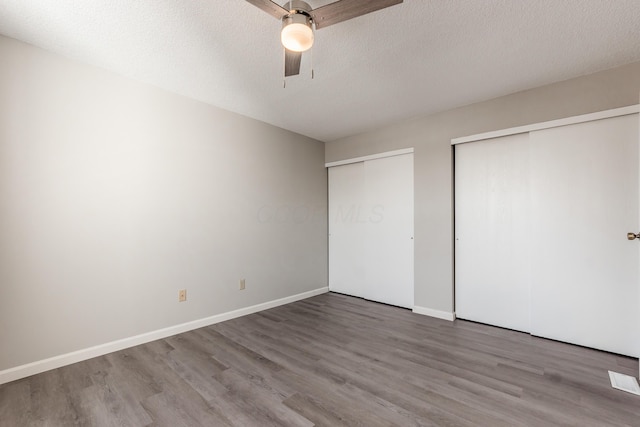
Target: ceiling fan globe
297,34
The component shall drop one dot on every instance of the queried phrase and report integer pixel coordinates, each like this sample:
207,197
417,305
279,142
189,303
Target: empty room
319,213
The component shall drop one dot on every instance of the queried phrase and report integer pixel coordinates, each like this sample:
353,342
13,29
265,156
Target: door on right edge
584,200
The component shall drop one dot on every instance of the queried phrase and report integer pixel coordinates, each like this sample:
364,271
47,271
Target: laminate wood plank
231,352
177,403
15,402
341,359
313,365
436,385
53,402
383,381
104,406
333,397
175,409
261,404
487,379
314,410
332,360
480,397
199,372
198,347
335,373
533,413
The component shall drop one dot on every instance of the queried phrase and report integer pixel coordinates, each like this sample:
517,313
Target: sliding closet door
389,236
492,267
371,229
347,229
541,224
585,200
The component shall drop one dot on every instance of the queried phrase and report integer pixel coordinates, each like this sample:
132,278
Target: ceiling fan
298,19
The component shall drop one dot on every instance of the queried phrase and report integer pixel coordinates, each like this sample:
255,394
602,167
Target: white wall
115,194
433,160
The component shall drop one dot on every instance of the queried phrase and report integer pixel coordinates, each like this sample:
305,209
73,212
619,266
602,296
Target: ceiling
417,58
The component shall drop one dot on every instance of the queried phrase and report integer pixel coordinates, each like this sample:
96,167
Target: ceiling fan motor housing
299,13
297,6
297,17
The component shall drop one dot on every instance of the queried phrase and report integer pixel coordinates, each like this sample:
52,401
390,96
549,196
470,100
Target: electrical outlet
182,295
242,284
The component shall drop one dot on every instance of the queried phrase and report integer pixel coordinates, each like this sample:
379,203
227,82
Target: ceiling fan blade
291,62
270,7
343,10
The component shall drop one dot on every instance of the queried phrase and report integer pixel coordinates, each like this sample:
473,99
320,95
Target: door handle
633,236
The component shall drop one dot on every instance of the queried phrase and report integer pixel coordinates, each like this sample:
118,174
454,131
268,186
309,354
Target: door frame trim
623,111
370,157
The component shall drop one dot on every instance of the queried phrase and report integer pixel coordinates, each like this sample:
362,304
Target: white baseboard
29,369
445,315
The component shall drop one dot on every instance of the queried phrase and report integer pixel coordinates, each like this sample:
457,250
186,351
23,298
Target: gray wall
115,194
431,137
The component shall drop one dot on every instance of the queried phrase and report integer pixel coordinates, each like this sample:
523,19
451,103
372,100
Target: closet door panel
347,222
389,236
371,230
492,229
584,200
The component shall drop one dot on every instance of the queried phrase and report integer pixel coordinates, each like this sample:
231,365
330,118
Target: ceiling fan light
297,34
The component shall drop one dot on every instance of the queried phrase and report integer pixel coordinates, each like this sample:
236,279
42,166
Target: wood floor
332,360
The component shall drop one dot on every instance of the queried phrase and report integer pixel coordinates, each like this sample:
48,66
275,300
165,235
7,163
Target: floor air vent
624,383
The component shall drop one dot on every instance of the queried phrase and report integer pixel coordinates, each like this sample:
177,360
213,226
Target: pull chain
314,37
284,57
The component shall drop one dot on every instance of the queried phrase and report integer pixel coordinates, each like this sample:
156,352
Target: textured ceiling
416,58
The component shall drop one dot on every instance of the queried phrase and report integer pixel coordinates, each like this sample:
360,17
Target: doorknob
633,236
